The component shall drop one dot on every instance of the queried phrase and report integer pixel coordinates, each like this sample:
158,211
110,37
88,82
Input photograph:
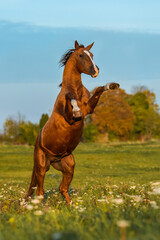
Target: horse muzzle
94,71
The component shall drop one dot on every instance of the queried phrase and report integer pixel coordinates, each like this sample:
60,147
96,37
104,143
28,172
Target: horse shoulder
59,106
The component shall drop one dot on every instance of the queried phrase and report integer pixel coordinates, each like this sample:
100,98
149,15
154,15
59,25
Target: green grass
112,182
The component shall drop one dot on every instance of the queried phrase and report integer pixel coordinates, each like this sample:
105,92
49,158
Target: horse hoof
111,85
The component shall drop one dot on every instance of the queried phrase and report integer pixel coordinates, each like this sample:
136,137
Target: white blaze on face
94,65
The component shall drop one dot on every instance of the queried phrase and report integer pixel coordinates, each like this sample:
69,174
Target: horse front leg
92,102
72,111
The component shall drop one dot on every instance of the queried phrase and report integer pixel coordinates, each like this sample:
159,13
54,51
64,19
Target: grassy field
115,193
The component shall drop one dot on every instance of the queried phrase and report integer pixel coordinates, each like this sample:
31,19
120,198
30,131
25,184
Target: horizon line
127,29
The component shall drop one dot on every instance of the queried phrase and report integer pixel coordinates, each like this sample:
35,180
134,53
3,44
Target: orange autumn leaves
114,114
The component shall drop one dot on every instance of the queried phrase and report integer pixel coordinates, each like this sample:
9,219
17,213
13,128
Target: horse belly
60,138
74,138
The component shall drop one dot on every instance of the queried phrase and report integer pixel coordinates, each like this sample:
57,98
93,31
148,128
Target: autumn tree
147,117
114,115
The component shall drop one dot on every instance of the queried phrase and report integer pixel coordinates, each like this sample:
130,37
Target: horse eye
81,55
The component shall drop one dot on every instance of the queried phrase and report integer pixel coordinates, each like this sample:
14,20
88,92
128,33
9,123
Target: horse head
84,60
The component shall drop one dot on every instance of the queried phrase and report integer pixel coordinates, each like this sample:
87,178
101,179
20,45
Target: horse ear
76,45
89,46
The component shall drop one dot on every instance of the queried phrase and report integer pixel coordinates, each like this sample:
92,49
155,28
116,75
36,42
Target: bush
90,133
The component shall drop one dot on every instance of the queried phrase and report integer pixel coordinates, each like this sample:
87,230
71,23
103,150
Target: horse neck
72,79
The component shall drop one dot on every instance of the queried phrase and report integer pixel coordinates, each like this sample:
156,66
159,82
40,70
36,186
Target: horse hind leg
33,184
68,172
41,168
66,166
39,171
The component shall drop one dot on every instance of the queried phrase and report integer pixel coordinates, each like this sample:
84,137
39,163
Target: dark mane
67,55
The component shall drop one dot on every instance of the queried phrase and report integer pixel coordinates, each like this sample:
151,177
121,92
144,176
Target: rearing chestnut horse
62,132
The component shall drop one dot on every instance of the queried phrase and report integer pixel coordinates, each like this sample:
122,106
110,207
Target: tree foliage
146,111
118,115
12,128
90,131
113,114
28,133
18,131
43,120
126,116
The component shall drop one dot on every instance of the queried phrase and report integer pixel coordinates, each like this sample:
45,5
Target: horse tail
33,184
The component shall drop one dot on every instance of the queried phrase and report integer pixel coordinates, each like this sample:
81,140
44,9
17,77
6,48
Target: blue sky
34,35
141,15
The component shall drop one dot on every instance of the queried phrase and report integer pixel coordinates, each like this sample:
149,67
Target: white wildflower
137,198
1,196
156,191
104,196
118,196
123,223
82,209
154,204
79,200
48,191
102,200
149,193
52,211
38,213
22,202
118,201
155,207
29,207
35,201
132,187
127,195
110,192
155,184
40,197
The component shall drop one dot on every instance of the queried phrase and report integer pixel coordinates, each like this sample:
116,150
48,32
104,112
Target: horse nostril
94,71
97,68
